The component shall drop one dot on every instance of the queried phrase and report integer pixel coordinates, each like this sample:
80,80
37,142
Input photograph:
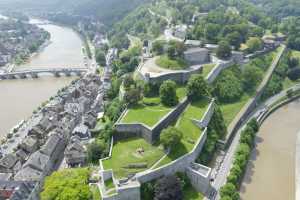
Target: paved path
221,177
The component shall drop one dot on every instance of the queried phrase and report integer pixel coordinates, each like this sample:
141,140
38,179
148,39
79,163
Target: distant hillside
108,11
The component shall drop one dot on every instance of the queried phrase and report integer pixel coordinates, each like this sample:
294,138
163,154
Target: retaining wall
179,77
127,130
178,165
218,69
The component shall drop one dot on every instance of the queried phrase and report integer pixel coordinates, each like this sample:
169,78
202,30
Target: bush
96,150
133,96
168,188
294,73
170,137
167,93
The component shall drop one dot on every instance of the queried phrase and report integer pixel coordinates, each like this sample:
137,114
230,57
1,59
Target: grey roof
22,154
51,144
30,141
28,174
37,161
74,148
8,161
21,189
196,50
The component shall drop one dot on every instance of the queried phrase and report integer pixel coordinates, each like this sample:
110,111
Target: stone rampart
217,70
178,165
150,134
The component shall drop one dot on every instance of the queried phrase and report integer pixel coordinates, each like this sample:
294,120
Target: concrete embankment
297,167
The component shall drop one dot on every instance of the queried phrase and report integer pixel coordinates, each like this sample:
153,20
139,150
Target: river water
271,171
18,98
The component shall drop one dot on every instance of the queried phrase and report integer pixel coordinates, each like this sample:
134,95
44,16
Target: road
225,167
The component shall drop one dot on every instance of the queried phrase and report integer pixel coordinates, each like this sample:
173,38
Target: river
271,171
18,98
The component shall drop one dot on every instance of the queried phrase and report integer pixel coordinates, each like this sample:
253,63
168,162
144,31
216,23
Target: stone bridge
34,73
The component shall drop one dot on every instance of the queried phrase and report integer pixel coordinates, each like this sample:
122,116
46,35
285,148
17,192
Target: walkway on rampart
229,156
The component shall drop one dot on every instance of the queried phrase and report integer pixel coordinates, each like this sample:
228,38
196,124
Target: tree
67,184
170,137
100,57
158,47
171,52
294,73
96,150
167,93
168,188
197,88
128,81
133,96
224,50
254,44
228,88
235,39
252,76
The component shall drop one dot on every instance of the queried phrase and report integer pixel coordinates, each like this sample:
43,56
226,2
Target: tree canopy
170,137
197,88
67,184
167,93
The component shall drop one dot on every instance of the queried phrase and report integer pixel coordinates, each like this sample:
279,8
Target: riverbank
21,97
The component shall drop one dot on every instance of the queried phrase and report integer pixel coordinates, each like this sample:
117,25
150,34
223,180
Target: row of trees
230,191
234,82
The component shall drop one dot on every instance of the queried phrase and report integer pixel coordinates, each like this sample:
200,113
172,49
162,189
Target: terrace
191,131
150,110
131,156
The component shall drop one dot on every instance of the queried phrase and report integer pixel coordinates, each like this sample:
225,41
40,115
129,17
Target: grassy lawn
109,184
95,192
150,114
207,69
125,153
166,62
191,132
230,110
296,54
189,193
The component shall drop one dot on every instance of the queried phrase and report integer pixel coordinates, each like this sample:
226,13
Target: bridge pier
34,75
22,76
67,73
11,76
56,74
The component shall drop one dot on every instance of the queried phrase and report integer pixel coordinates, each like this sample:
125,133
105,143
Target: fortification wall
126,130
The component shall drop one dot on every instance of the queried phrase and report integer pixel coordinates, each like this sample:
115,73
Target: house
17,190
82,131
53,147
196,56
90,120
75,154
270,44
8,163
35,169
30,144
22,155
